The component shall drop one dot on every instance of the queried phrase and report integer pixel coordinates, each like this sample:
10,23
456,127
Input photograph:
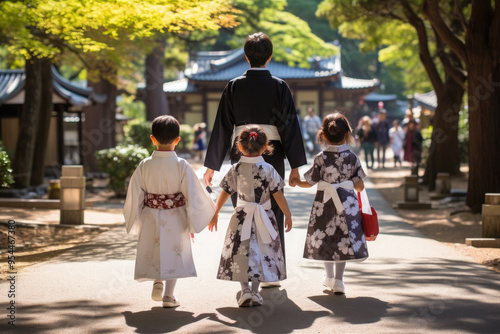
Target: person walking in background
367,137
397,136
413,146
382,130
252,250
335,233
257,97
312,124
165,203
200,137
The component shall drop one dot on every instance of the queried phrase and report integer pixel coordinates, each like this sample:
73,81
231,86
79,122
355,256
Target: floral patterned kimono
258,255
333,234
165,202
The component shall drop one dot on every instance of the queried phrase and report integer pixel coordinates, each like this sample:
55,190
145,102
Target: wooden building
65,135
195,97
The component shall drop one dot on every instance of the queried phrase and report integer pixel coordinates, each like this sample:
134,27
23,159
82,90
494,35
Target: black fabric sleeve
220,140
289,129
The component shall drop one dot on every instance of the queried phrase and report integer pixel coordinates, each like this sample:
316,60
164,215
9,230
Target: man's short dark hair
165,129
258,48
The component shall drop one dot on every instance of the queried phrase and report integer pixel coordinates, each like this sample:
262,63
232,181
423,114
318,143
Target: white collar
164,154
252,160
258,69
337,148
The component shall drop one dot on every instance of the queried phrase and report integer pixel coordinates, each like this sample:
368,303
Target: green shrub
5,171
137,133
187,137
119,163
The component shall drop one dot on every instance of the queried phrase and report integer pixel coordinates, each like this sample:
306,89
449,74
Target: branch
459,9
423,47
494,29
453,68
431,12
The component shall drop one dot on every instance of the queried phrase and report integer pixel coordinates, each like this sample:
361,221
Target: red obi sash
158,201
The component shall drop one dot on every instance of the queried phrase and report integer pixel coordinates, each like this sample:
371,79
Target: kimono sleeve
134,203
228,183
276,183
199,206
357,172
314,174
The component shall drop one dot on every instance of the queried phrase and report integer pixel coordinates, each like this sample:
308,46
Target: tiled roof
179,86
353,83
12,82
227,65
427,100
374,97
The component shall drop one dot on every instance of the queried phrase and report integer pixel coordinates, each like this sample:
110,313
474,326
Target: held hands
288,223
294,175
207,177
212,226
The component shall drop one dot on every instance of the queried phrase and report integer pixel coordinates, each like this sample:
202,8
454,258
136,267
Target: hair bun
333,129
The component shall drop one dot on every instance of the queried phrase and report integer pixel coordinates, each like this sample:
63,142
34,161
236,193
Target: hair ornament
254,135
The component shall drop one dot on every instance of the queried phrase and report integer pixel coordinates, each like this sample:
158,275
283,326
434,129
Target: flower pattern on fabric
251,259
159,201
332,235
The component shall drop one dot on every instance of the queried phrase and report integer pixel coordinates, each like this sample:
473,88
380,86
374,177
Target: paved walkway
410,284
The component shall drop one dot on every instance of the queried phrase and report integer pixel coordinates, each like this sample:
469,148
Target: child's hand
213,223
288,223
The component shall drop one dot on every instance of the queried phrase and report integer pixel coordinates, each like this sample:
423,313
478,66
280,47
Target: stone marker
72,195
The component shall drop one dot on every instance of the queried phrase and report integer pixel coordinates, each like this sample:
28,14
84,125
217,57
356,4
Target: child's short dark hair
165,129
253,140
258,48
334,128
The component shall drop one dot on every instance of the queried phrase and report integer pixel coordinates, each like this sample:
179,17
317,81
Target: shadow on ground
278,315
161,320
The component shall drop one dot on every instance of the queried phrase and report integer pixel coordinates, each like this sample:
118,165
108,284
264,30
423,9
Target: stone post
491,216
72,195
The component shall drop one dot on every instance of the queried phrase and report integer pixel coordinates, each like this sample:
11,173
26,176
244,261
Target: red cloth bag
370,220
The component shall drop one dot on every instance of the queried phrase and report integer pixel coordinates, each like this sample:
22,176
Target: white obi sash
257,212
270,130
330,191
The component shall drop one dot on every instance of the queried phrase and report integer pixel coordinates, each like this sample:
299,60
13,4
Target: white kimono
164,245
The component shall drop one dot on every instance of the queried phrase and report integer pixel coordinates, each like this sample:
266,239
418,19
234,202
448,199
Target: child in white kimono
252,249
335,232
165,203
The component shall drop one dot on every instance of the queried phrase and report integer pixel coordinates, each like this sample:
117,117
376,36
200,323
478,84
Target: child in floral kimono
335,233
165,203
252,249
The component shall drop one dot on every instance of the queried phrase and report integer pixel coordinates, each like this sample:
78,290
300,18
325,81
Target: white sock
329,269
169,287
245,285
339,270
255,286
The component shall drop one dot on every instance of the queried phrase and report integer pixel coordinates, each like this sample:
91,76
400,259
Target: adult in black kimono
257,97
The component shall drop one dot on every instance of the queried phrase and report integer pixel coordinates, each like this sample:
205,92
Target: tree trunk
42,134
28,124
484,128
99,123
443,153
155,99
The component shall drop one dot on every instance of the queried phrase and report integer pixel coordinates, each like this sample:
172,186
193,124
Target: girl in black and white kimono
335,233
252,250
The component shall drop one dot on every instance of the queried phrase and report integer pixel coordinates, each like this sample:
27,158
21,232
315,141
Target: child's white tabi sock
329,269
339,270
169,287
255,286
245,285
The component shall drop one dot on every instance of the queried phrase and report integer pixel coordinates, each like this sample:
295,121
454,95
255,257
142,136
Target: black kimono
257,97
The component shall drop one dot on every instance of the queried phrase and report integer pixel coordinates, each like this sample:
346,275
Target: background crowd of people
375,134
